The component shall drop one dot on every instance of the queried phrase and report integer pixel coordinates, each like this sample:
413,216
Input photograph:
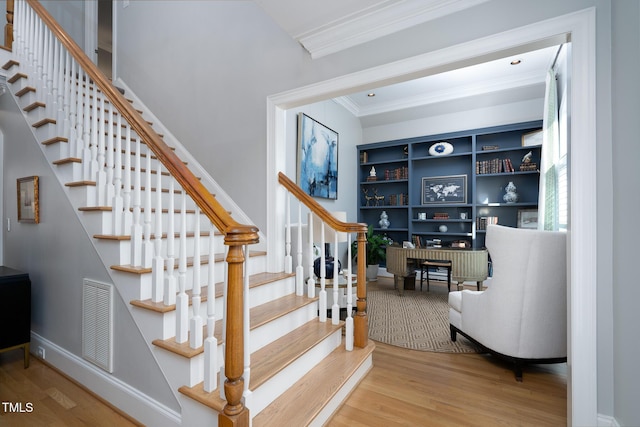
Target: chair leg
449,279
427,279
453,333
421,276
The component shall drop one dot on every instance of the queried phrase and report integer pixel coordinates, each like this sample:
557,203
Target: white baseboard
119,394
607,421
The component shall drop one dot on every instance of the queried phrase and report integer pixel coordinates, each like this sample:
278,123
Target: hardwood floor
404,388
40,396
417,388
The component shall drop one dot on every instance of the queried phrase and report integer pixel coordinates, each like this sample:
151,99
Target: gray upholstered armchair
522,316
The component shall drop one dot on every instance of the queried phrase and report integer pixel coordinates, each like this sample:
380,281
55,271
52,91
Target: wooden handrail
235,233
315,207
361,322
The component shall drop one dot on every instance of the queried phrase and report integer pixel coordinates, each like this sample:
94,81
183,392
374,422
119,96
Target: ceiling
332,25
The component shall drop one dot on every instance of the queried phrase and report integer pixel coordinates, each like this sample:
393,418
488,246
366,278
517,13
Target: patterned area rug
418,320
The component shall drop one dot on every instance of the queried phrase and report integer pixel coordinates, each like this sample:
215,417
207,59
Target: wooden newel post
235,414
8,28
361,322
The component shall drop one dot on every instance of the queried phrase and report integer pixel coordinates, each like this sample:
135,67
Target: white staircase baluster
136,227
157,293
52,99
117,202
69,100
211,343
109,186
182,300
246,325
85,101
225,289
92,96
348,325
101,175
42,58
335,307
127,218
288,268
311,283
64,113
147,251
299,267
196,319
170,279
323,280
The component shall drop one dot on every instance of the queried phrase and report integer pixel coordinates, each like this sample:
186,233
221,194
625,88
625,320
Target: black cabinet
478,163
15,311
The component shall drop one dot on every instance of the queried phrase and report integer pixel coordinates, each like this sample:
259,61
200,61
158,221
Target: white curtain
548,195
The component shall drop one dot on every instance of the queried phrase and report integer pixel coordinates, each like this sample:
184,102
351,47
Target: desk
15,311
467,264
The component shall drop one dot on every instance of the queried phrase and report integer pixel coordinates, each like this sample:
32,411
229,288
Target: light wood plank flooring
404,388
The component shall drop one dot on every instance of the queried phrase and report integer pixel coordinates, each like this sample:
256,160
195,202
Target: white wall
516,112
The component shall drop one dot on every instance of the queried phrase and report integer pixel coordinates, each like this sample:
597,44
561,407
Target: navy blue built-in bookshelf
462,191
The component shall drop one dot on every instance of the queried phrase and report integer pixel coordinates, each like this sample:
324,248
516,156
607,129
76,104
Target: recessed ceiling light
515,62
371,94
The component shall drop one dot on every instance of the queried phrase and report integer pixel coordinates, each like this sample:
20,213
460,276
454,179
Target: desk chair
431,263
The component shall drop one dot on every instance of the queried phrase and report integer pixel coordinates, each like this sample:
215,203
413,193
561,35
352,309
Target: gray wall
58,254
625,16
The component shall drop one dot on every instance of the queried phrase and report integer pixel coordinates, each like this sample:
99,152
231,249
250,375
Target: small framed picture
532,138
444,189
528,218
28,207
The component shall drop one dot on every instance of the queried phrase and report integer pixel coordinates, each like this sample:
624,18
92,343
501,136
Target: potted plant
376,252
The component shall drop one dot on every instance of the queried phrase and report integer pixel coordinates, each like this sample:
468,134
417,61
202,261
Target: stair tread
122,237
302,402
25,90
271,359
255,280
10,63
204,259
259,316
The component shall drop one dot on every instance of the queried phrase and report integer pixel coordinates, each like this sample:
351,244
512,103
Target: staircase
183,276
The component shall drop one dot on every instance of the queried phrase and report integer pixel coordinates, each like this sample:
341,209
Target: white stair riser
283,325
100,222
162,325
138,286
119,252
272,389
193,368
195,414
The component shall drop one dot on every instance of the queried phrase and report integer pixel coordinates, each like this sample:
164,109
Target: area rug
418,320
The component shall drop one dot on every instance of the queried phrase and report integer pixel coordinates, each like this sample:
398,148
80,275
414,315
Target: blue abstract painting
317,158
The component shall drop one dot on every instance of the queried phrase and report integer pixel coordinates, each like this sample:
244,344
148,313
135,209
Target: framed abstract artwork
317,158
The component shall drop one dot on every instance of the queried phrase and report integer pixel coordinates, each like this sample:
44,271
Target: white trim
392,17
583,268
118,393
91,29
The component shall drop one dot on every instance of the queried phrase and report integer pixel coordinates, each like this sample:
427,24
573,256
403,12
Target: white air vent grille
97,324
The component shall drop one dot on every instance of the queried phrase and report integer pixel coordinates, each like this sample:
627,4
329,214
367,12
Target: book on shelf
483,221
527,167
364,157
400,199
494,166
397,174
440,215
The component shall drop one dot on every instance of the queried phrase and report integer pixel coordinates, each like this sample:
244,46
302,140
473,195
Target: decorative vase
510,196
443,228
384,220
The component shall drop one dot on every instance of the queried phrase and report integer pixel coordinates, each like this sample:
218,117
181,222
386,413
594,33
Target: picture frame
28,200
444,189
528,218
532,138
317,158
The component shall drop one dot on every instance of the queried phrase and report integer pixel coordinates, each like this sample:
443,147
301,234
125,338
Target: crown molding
379,22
